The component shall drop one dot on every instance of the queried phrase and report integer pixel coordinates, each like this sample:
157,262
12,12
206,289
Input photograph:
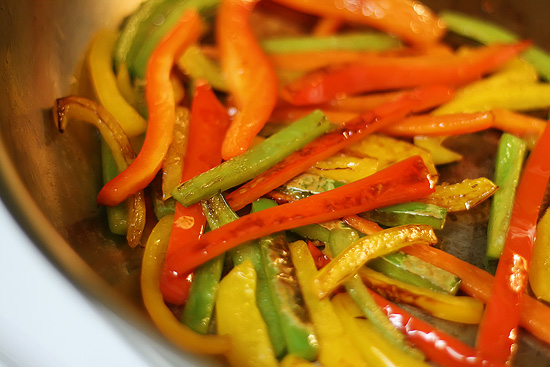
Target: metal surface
49,181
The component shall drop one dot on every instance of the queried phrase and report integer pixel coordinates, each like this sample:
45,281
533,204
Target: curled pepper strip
161,104
250,76
497,336
119,144
167,323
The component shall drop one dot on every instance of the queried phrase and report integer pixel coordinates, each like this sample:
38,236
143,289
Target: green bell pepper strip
409,213
218,213
198,66
254,161
145,28
511,155
238,316
365,41
487,32
117,216
340,239
199,308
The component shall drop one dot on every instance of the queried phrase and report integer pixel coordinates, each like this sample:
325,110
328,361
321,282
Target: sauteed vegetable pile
280,162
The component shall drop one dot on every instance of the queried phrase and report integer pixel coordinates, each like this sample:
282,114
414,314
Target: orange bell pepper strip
327,26
518,123
497,336
407,19
478,283
453,124
329,144
161,105
208,118
404,181
386,73
250,76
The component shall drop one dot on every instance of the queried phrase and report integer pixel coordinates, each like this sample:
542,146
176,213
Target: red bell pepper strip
497,336
478,283
453,124
403,181
161,105
441,348
407,19
329,144
208,118
386,73
250,76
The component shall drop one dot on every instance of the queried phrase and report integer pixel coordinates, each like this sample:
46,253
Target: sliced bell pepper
497,336
434,144
386,73
463,195
349,261
439,347
326,26
254,161
404,181
376,351
105,84
172,167
452,124
325,146
478,283
250,76
336,348
238,316
161,104
197,65
119,144
462,309
161,315
208,118
408,20
488,32
540,271
516,123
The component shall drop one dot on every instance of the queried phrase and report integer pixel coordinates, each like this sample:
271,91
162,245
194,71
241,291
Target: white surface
44,320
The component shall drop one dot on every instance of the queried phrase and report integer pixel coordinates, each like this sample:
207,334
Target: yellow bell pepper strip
345,168
208,118
497,335
349,261
105,85
375,349
323,147
254,161
404,181
161,315
396,72
290,360
478,283
339,241
172,167
197,65
519,124
408,20
160,99
539,272
336,349
434,145
238,316
512,96
119,144
487,32
462,309
357,41
510,157
463,195
250,76
452,124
